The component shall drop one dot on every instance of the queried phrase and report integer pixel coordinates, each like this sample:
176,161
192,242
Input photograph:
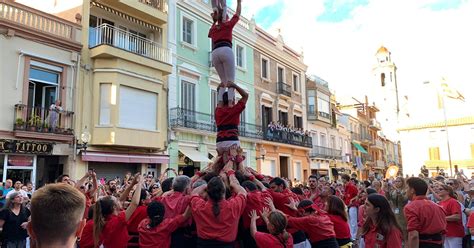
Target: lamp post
263,152
85,139
445,127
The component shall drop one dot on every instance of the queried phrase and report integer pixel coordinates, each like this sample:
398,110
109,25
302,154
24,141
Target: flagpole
447,136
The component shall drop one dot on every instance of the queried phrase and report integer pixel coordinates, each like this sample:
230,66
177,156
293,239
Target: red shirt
280,199
175,204
255,201
361,216
374,239
454,228
425,216
230,117
138,215
470,221
115,233
223,31
87,237
222,228
88,204
350,191
341,227
266,240
317,226
159,236
319,203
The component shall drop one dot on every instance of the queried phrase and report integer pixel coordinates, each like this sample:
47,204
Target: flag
446,91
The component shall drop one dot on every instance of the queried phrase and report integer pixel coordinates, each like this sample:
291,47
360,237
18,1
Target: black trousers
430,245
327,243
209,243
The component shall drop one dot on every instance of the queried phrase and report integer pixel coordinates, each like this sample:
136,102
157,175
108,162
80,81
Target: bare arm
135,199
82,180
239,8
129,188
197,191
454,217
413,239
94,184
253,223
241,91
234,183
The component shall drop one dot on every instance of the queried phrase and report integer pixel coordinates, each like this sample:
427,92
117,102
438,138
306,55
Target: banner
25,147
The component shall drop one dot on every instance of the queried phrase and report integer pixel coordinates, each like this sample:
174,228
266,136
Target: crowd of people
278,131
238,207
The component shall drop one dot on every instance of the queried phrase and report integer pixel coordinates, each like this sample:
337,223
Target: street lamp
263,152
445,127
85,138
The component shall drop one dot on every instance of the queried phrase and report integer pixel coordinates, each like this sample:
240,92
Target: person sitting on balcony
228,120
222,55
54,111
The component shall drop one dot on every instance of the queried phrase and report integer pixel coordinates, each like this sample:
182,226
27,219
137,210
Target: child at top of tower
222,53
220,6
228,120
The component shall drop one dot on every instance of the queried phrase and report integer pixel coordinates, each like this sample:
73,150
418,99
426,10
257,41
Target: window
311,102
323,141
340,143
188,96
188,32
240,56
333,142
43,85
283,117
323,105
105,103
434,153
391,77
213,103
382,79
265,67
296,82
267,117
132,114
281,75
297,171
298,121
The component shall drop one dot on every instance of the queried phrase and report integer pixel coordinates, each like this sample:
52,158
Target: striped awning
125,16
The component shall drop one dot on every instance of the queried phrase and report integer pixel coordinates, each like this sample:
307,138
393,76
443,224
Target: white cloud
425,45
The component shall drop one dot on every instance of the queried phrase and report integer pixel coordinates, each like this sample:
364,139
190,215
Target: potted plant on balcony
45,127
33,123
19,124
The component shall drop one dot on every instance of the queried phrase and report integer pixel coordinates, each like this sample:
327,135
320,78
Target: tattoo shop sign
25,147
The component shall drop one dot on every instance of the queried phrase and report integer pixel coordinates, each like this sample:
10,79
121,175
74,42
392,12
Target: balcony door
43,88
188,103
266,116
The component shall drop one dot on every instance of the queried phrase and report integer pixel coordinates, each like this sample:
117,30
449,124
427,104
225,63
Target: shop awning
359,147
124,158
194,155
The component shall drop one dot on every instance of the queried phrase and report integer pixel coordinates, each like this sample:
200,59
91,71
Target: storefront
30,161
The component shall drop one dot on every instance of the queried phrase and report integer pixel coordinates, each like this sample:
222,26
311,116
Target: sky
428,39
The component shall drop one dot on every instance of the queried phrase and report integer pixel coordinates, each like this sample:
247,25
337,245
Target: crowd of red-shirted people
238,207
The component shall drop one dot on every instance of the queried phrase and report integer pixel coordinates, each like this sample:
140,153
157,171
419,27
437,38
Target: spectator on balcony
54,110
222,54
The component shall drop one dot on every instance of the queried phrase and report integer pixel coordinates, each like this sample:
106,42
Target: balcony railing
380,164
325,152
355,136
106,34
43,120
286,137
366,137
284,89
324,115
375,124
180,117
157,4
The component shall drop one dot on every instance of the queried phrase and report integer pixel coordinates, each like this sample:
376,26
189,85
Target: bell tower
385,92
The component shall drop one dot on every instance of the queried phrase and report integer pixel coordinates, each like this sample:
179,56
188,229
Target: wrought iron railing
325,152
157,4
355,136
284,89
180,117
43,120
107,34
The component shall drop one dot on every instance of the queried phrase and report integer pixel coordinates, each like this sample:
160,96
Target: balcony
151,11
367,159
182,118
366,138
117,41
375,124
325,152
284,89
355,136
285,137
25,19
377,145
37,122
380,164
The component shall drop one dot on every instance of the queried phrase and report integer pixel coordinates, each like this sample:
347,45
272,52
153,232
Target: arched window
382,79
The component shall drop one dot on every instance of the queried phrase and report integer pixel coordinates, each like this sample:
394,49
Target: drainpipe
18,70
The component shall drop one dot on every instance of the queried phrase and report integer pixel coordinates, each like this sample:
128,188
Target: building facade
431,147
193,87
39,68
280,100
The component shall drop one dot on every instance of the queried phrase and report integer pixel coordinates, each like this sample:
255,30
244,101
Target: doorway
23,175
284,166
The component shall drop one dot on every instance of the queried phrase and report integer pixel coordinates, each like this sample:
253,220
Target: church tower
385,93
